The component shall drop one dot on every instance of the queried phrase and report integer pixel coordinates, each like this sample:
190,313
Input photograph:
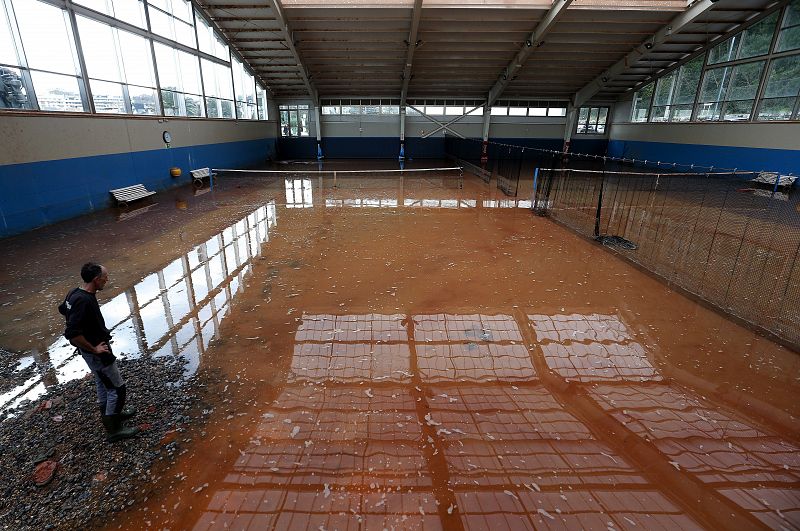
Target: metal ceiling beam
692,13
289,40
536,39
411,45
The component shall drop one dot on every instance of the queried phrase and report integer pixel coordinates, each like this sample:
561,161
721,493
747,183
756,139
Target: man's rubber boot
115,431
126,414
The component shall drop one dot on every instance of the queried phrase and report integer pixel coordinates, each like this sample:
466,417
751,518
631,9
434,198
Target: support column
572,116
319,131
487,113
402,156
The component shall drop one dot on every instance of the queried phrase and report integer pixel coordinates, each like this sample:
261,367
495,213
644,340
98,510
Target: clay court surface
418,352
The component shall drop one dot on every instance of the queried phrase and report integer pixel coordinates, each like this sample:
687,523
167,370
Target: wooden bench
129,194
201,173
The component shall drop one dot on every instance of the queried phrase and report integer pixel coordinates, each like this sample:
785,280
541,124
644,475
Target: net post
599,202
535,182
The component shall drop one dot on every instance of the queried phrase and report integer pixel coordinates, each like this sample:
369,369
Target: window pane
659,113
166,62
209,71
98,5
184,34
45,36
434,110
143,100
474,111
603,116
776,109
537,111
182,9
557,111
789,39
238,86
737,110
758,38
454,111
99,50
390,109
499,111
213,108
792,17
137,59
725,51
517,111
13,94
593,113
263,109
107,97
227,109
664,89
57,93
161,24
688,80
709,111
330,109
744,83
715,83
130,11
8,50
194,105
682,113
173,103
784,77
641,103
304,128
190,73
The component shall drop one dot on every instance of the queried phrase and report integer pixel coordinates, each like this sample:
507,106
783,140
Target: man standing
86,330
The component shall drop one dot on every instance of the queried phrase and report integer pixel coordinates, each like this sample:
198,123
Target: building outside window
294,120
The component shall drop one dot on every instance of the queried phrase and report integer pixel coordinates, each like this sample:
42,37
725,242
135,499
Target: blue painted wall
39,193
741,158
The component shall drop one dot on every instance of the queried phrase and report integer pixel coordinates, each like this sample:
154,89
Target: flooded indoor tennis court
415,351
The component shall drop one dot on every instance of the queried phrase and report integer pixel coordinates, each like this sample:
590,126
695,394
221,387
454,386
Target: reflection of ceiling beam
680,22
534,40
411,45
289,40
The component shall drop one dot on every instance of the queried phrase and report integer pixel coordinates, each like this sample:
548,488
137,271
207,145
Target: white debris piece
295,431
326,491
368,392
545,514
510,494
429,421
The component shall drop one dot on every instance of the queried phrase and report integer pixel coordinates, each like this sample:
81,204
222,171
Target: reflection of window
592,120
294,120
299,193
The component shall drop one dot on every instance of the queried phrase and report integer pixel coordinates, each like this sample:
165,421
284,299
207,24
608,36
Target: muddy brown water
416,353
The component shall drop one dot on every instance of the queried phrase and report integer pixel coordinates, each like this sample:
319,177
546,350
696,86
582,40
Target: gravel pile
93,478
